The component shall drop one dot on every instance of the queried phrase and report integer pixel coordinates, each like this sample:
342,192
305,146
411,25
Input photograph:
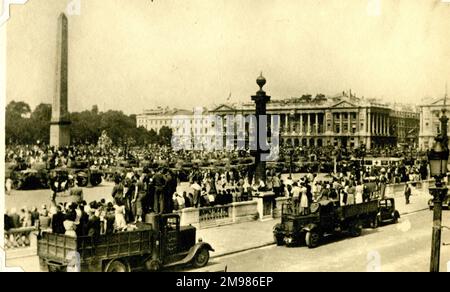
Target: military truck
325,218
160,243
83,174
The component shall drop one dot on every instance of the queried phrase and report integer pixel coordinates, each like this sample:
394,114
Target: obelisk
60,123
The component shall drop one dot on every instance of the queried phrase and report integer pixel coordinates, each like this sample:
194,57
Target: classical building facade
429,122
345,121
155,119
189,127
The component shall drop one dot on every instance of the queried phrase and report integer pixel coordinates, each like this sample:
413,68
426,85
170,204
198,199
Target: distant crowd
159,189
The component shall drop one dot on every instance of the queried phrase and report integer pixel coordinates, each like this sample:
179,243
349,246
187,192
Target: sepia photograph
224,136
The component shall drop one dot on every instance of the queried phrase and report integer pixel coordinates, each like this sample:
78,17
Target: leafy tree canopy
24,126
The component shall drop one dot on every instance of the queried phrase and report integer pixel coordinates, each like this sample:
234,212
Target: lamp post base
439,194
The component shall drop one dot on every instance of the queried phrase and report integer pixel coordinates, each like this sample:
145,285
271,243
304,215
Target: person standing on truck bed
296,192
130,193
304,202
120,222
76,193
58,221
117,191
93,225
159,183
351,194
140,198
359,193
169,189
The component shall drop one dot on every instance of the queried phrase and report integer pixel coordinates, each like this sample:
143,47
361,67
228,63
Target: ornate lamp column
260,100
438,158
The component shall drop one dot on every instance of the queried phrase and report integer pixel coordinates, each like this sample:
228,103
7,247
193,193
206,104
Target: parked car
386,212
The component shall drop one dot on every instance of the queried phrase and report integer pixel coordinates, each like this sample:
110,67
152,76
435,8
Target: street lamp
438,158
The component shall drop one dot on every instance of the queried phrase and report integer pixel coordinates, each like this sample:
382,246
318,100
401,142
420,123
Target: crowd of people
159,189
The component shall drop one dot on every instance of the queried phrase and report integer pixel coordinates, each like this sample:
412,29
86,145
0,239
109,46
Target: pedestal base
60,135
265,205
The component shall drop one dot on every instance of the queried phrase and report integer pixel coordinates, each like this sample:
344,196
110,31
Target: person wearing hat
76,193
15,218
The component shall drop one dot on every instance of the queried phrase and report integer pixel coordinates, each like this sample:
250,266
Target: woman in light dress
359,193
121,223
351,194
70,227
304,203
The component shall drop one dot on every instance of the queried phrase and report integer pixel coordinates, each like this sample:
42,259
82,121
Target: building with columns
345,121
155,119
429,122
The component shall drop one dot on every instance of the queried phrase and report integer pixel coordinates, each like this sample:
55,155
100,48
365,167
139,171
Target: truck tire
395,219
278,240
312,239
376,222
355,229
117,266
201,258
152,265
82,181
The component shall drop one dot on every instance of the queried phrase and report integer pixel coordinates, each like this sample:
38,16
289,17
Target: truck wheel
201,258
279,240
117,266
376,222
355,229
395,220
82,181
312,239
152,265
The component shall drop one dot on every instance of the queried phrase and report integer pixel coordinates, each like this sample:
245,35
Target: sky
136,55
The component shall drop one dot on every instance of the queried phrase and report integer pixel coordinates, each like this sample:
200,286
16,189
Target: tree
18,109
320,97
24,126
18,128
165,136
40,119
306,98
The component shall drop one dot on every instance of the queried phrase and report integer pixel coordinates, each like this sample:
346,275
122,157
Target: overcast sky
134,55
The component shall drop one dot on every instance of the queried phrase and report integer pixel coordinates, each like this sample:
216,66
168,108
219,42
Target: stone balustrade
20,238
